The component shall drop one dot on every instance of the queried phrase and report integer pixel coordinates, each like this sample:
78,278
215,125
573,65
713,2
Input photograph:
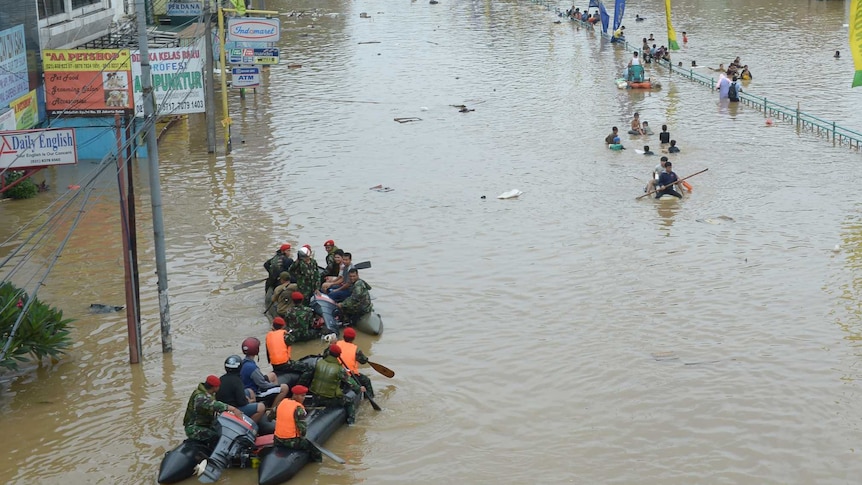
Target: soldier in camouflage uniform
290,425
359,301
199,419
306,273
330,252
278,263
329,375
300,320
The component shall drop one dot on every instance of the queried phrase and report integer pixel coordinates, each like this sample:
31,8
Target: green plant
42,333
24,190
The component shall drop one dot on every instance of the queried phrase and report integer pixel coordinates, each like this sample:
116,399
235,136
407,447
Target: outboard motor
325,307
237,438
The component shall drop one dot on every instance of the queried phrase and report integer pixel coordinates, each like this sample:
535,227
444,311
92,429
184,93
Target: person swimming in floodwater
693,63
837,55
638,18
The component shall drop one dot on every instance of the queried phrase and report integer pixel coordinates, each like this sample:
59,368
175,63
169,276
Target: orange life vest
348,356
276,349
285,422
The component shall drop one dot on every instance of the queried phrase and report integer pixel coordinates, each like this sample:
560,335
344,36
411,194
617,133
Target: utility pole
155,184
132,321
210,79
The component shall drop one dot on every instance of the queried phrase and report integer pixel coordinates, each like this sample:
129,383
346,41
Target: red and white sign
253,29
38,148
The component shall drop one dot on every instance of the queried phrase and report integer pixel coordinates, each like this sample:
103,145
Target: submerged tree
43,332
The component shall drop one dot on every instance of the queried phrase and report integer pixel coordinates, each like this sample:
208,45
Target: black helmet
232,363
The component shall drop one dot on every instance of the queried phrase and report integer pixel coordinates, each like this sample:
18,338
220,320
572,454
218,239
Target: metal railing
829,130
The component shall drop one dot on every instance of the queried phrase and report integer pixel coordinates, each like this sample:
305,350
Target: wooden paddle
675,183
386,371
249,283
356,381
332,456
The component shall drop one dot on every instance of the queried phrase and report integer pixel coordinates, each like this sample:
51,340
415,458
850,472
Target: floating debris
381,188
512,194
101,308
408,120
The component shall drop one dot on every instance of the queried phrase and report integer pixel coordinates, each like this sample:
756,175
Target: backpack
732,92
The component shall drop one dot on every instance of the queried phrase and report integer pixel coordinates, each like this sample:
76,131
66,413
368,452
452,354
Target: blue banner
603,13
594,4
619,9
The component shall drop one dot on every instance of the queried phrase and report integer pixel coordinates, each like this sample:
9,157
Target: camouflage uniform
200,415
299,320
275,266
330,256
307,277
359,301
300,443
326,386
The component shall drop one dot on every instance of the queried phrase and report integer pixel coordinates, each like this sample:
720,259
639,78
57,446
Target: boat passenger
664,136
359,301
329,376
278,263
199,420
278,346
666,181
351,357
306,272
341,291
658,170
619,34
299,321
234,393
281,295
745,75
332,275
264,387
647,151
614,134
673,148
290,425
330,248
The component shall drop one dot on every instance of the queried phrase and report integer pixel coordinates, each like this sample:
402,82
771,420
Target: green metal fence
829,130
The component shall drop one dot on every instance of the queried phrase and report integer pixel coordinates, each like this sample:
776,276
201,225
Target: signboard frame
30,145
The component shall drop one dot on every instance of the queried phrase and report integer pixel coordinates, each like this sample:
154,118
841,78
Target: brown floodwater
572,335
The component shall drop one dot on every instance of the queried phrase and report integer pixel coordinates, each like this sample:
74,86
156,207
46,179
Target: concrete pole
155,184
210,80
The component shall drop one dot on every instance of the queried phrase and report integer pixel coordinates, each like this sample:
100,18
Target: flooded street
572,335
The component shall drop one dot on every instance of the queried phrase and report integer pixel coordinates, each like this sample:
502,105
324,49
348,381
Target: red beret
298,389
296,296
349,333
307,246
284,247
330,242
335,350
213,381
278,322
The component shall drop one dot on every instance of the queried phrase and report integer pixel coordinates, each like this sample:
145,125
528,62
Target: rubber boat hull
278,465
179,463
370,323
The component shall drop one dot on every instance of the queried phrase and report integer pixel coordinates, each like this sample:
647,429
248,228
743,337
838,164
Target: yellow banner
856,39
25,107
672,44
107,60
